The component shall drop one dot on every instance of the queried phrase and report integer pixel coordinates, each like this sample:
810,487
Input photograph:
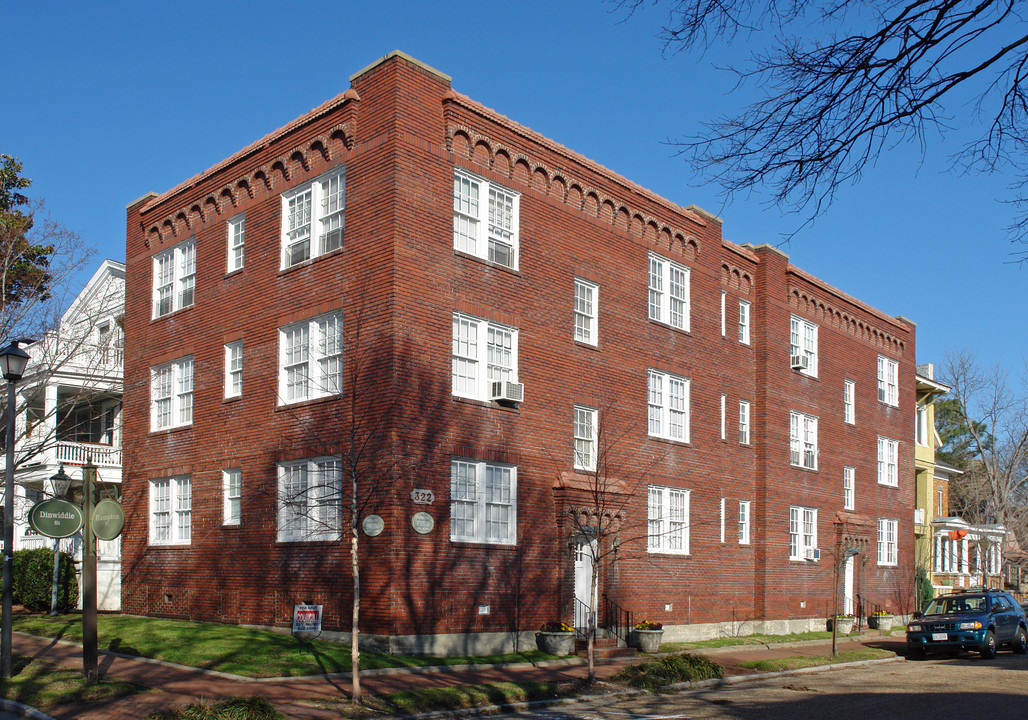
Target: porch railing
582,612
105,549
617,621
76,453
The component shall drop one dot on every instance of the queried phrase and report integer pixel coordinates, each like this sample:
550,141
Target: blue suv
975,620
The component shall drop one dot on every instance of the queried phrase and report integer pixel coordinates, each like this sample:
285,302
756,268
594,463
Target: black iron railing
582,612
617,621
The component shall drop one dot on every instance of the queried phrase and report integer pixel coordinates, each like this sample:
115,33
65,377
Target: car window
956,605
1000,604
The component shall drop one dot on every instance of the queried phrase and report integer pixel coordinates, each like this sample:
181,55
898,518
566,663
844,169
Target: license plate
940,636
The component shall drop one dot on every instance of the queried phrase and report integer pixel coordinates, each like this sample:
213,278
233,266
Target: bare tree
841,82
994,488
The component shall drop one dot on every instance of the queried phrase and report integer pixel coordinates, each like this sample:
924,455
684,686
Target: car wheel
988,648
1020,641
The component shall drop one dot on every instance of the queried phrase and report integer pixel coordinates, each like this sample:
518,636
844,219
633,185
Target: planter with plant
844,624
556,638
648,635
880,620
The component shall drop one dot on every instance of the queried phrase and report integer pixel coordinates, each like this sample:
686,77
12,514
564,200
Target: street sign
55,518
108,519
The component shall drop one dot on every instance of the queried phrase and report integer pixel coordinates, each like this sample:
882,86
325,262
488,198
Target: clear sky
106,101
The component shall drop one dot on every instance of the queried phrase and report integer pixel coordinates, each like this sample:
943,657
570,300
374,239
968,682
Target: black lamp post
12,366
61,483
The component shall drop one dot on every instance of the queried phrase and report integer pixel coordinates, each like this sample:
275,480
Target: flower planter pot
880,622
845,625
648,641
555,643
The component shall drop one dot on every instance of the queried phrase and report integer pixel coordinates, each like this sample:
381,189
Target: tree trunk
591,624
355,656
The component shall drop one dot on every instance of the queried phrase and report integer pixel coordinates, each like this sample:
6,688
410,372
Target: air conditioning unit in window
503,391
799,362
812,554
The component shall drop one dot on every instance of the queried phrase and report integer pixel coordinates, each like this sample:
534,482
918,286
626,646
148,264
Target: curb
24,711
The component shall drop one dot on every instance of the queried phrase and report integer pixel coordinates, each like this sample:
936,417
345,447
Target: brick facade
400,132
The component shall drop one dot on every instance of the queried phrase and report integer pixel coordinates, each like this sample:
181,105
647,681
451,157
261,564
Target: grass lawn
757,639
46,686
802,661
230,648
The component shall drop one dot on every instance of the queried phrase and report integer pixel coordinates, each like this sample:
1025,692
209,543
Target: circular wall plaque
373,525
108,519
422,523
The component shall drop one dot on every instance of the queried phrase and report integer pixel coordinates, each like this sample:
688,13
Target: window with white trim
232,489
669,292
803,345
849,482
724,310
668,406
171,510
236,242
174,278
234,369
485,219
744,522
313,218
483,502
724,414
887,534
171,394
587,297
849,398
667,520
888,462
585,437
721,515
310,500
803,440
888,383
744,422
802,532
483,353
744,322
311,358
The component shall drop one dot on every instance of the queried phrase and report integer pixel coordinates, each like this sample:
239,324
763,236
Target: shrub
33,573
556,627
669,670
233,708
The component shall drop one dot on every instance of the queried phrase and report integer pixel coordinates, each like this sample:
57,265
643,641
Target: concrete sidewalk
172,685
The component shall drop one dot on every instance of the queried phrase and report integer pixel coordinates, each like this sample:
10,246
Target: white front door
847,587
585,552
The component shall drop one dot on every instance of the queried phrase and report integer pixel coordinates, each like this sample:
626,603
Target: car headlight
913,628
976,625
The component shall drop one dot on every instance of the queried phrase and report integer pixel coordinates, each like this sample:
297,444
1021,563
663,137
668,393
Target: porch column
964,548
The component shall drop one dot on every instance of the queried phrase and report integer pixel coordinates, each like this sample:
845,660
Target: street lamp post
12,365
60,483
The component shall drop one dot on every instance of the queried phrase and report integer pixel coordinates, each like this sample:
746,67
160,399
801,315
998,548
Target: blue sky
106,101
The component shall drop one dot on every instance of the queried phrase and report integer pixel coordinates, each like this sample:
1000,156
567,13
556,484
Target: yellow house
927,503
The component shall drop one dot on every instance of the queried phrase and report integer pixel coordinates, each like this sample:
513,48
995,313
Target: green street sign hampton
55,518
108,519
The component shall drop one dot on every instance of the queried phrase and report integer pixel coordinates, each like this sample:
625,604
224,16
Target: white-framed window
483,502
921,425
171,510
887,534
585,437
803,440
587,296
311,358
744,522
234,369
802,532
232,489
849,399
668,406
313,218
310,499
803,345
669,292
485,219
483,353
667,520
174,278
721,515
724,310
888,461
236,242
888,383
724,414
171,394
744,422
744,322
849,482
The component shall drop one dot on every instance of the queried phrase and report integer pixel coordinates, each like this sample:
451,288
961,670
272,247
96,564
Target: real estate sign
55,518
306,619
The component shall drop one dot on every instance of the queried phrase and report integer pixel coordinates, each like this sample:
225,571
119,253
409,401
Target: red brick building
520,345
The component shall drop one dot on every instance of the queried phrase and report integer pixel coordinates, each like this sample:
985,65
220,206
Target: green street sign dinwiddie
55,518
108,519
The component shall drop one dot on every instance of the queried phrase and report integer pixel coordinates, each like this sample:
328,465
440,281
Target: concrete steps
604,648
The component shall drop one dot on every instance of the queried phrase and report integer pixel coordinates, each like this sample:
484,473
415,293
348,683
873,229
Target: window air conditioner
798,362
504,391
812,554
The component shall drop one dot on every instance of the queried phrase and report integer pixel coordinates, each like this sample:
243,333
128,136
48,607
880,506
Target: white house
69,409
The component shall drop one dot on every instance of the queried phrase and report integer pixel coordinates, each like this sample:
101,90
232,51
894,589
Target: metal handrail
617,620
